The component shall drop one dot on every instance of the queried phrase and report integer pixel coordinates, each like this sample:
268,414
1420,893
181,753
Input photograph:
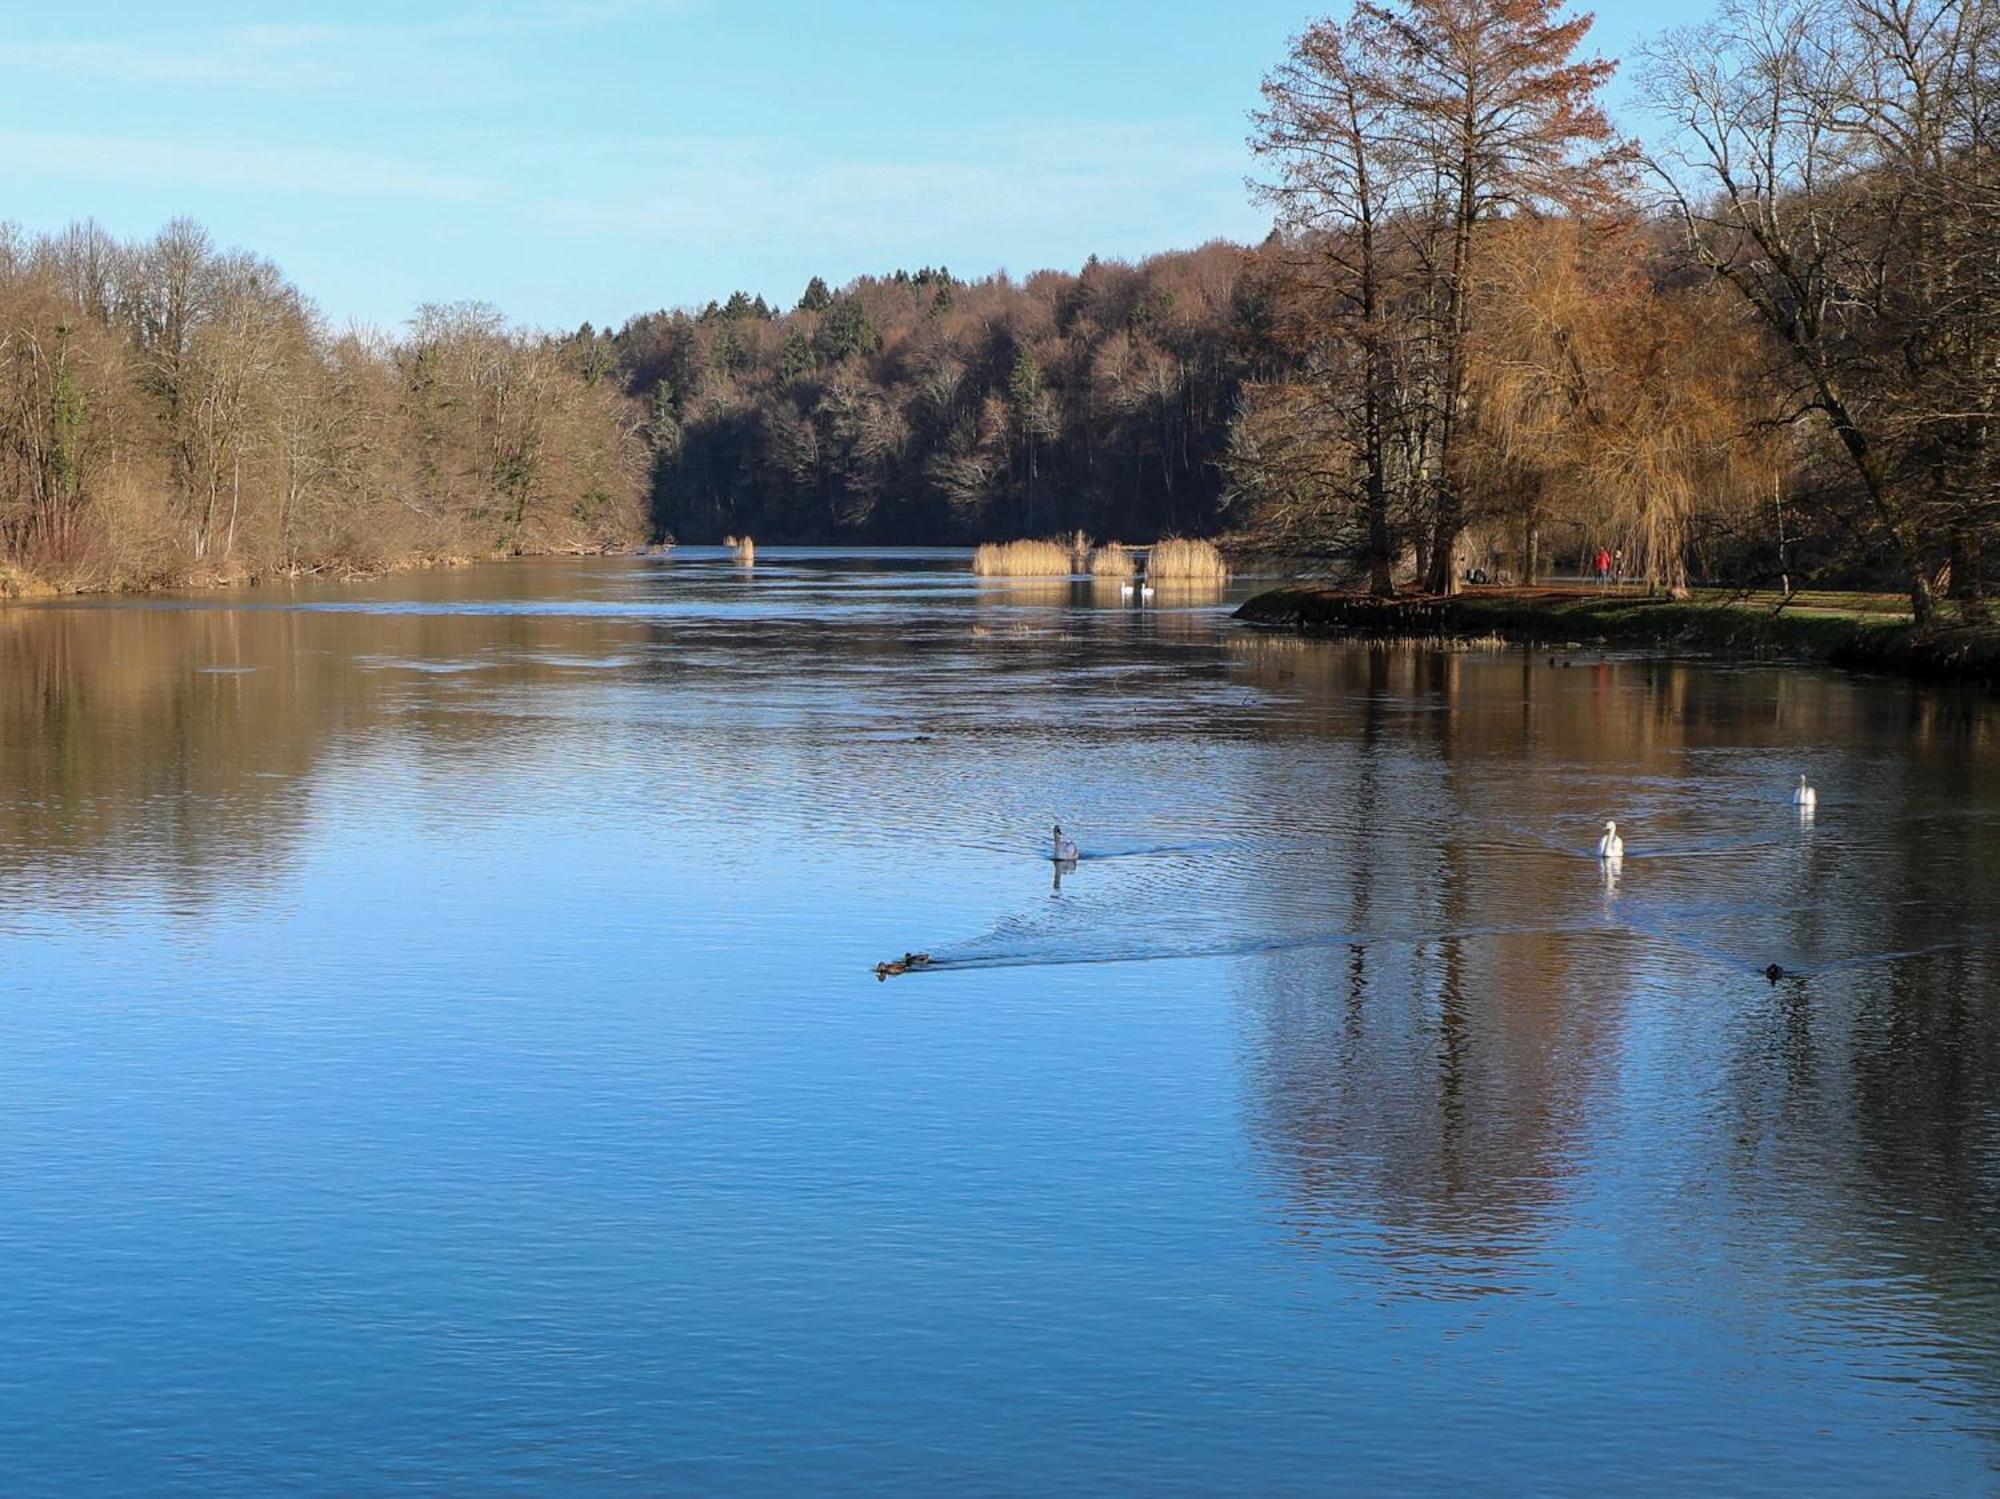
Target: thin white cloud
282,55
546,17
278,36
302,169
1038,181
219,63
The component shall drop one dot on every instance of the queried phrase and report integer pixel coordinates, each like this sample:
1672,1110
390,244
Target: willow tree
1626,407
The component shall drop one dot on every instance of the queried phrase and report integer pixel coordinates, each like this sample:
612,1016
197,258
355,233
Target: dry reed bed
1178,559
1024,559
1112,561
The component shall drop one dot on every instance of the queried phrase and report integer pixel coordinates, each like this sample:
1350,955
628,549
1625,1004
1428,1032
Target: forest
918,407
1752,338
173,414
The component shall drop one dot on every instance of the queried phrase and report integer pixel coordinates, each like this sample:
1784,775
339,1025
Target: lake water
440,1051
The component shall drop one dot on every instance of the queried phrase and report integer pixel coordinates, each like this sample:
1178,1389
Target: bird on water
1066,851
1805,798
1611,846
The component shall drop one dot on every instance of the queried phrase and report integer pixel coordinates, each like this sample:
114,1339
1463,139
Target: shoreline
24,588
1853,639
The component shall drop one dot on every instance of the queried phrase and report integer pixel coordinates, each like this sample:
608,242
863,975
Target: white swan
1125,590
1066,852
1611,846
1805,798
1145,590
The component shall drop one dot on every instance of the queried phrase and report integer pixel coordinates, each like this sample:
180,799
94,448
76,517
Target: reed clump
1179,559
1112,560
1024,559
743,548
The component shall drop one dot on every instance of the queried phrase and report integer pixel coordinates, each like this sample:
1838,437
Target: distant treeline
170,414
919,407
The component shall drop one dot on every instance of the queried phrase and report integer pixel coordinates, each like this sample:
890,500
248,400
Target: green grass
1862,630
1895,604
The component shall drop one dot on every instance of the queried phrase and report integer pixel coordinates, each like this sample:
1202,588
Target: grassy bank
1862,631
16,584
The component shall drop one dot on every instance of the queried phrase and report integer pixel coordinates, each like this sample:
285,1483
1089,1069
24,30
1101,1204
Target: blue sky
573,159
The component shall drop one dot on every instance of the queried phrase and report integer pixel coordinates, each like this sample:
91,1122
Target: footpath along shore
1860,631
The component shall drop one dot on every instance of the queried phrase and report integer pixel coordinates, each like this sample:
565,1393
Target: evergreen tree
729,355
845,331
798,359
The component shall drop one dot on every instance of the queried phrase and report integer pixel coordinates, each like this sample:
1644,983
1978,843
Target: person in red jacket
1603,564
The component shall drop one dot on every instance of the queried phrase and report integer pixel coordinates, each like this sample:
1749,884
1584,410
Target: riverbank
1862,632
17,585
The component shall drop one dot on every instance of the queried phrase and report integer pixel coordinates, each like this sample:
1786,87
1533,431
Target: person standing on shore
1603,565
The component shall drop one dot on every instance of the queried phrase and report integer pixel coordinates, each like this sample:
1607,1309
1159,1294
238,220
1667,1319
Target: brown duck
908,961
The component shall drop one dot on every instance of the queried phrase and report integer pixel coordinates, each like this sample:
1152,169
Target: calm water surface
439,1051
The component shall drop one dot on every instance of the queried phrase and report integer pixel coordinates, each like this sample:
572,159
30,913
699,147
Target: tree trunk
1444,542
1450,520
235,505
1968,588
1923,604
1381,565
